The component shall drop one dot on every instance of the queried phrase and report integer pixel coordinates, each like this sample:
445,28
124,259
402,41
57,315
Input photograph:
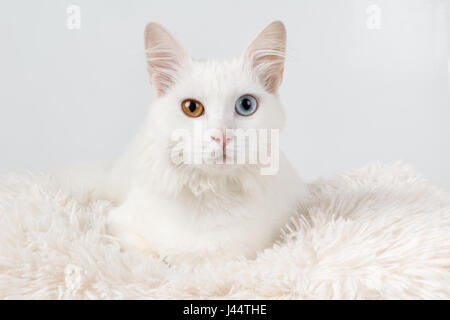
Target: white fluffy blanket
380,232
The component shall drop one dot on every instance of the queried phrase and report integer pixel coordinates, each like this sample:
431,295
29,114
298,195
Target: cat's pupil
246,104
192,106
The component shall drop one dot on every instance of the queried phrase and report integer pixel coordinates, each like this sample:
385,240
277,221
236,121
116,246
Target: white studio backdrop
365,80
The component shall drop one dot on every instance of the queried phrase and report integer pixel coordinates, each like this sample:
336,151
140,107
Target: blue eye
246,105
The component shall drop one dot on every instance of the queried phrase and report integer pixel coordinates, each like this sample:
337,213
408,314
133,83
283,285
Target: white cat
188,212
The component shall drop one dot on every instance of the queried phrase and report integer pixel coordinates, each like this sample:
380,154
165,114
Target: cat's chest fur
213,226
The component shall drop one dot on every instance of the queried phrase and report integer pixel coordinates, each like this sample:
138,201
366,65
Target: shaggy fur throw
380,232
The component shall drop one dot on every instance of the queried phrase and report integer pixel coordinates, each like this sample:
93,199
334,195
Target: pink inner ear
165,57
269,69
163,68
267,54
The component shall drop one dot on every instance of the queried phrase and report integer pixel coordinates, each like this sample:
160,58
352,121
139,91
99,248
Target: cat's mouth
223,159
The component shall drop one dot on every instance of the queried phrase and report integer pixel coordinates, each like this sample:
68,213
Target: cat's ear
165,57
266,55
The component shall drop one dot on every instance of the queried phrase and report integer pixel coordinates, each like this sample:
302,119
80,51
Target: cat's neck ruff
160,175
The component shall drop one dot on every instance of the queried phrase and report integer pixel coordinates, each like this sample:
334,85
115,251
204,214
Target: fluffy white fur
191,213
380,232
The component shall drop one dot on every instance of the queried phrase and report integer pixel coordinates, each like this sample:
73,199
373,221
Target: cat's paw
130,240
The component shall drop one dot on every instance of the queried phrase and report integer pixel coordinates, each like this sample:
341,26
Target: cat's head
205,98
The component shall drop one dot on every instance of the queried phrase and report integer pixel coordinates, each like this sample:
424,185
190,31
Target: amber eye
192,108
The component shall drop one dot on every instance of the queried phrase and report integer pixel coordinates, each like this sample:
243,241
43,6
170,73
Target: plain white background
353,94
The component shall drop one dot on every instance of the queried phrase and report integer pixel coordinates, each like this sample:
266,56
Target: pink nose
221,138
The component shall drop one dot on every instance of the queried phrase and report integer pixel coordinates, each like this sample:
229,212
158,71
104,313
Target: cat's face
200,104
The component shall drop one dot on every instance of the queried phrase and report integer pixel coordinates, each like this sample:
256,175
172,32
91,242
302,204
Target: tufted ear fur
165,57
266,55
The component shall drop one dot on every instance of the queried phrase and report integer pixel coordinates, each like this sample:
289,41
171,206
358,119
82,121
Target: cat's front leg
120,224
